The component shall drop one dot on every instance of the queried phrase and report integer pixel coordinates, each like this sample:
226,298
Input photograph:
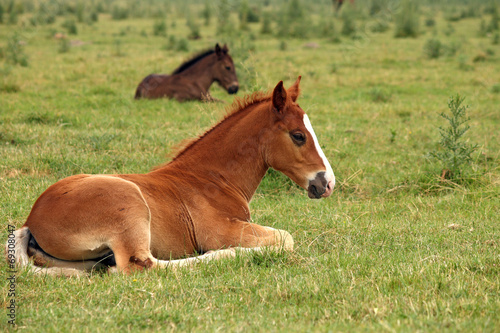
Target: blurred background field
409,241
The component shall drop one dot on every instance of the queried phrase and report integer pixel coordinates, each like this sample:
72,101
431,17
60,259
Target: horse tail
20,252
23,250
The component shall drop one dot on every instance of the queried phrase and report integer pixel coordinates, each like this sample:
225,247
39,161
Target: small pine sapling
455,152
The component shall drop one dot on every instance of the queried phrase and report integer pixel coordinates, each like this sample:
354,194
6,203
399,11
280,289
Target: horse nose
317,186
329,189
233,89
320,186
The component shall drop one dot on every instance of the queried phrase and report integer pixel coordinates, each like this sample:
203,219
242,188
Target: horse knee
134,263
129,259
141,264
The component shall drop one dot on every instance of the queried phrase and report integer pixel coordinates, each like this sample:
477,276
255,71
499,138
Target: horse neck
201,72
230,155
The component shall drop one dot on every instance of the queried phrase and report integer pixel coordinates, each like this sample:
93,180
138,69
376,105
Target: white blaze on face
329,172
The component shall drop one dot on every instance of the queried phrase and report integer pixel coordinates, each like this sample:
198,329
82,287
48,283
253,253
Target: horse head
292,147
223,70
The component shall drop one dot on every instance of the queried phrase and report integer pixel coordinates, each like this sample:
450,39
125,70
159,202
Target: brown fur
192,80
196,203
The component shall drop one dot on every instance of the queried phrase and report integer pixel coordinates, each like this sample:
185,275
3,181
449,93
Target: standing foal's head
293,147
223,70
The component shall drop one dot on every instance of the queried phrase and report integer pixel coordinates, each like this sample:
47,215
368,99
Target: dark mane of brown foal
238,106
188,63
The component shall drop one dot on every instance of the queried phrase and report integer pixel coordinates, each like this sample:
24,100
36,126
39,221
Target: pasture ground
394,249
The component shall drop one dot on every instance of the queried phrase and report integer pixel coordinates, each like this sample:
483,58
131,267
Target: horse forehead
295,116
227,58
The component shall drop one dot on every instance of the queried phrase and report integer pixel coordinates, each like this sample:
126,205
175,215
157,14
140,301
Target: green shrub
433,48
407,20
293,21
14,52
94,16
483,30
376,6
493,25
119,12
160,28
70,26
243,15
495,40
430,22
449,30
454,153
182,45
253,15
452,48
13,17
266,24
348,24
207,13
380,26
453,16
194,29
223,18
325,27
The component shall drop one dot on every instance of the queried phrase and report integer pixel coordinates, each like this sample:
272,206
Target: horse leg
131,248
244,234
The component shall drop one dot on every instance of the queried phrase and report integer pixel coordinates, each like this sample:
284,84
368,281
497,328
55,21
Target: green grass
394,249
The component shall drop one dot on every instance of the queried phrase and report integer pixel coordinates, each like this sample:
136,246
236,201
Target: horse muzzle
320,186
233,89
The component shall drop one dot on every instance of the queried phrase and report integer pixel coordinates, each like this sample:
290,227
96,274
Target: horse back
150,86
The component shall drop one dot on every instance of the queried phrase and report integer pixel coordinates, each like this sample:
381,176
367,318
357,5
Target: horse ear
294,90
225,49
279,99
218,50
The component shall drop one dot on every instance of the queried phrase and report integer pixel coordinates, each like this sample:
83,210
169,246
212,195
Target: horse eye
228,68
298,138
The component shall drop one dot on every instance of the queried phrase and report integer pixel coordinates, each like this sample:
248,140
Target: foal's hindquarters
86,217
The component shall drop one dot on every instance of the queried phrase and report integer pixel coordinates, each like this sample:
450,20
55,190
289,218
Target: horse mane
188,63
239,105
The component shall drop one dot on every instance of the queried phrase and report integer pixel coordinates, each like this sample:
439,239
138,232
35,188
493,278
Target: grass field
395,248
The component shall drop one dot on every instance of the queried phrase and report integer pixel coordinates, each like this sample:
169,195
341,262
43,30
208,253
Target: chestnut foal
197,203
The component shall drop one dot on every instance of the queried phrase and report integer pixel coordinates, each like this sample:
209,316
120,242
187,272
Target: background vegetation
402,244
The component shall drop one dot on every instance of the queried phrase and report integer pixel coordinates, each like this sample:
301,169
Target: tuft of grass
9,88
380,95
64,45
495,88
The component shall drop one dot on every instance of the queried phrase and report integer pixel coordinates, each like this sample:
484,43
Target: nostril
314,189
